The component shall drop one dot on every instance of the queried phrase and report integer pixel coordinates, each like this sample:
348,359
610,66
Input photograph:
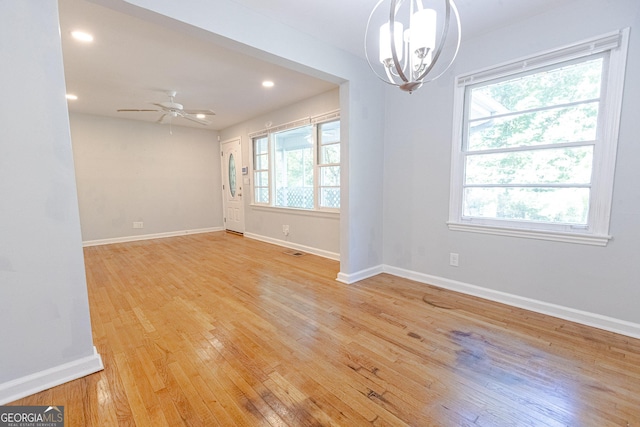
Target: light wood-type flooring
220,330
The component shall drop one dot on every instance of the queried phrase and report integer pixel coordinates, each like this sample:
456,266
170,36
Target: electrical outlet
138,224
285,230
454,259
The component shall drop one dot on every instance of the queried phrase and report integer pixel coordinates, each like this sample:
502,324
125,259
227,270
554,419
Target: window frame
275,172
320,164
315,122
255,139
614,48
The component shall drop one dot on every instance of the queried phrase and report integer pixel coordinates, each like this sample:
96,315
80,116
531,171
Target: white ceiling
343,22
133,62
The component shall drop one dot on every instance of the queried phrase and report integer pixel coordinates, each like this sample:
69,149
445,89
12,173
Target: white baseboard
25,386
606,323
291,245
360,275
149,236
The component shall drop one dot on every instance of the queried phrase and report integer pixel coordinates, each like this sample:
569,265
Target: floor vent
294,253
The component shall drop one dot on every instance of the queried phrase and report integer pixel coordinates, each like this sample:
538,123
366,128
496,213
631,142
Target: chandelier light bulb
423,30
385,41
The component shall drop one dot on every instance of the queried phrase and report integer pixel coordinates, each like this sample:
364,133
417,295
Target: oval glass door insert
232,175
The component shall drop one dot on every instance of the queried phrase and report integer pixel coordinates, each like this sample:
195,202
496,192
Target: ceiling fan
171,109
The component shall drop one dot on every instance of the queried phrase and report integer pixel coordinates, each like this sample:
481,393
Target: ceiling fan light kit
412,42
172,110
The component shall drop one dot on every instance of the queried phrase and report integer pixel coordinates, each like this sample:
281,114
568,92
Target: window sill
582,239
294,211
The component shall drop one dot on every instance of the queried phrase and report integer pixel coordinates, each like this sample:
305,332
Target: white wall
44,310
319,231
599,280
130,171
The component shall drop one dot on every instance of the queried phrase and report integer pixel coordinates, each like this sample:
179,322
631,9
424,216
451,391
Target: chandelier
412,44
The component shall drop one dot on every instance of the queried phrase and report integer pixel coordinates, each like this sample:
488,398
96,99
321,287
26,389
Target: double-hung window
329,164
261,169
293,168
297,165
535,144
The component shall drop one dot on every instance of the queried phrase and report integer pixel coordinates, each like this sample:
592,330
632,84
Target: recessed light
267,83
71,97
82,36
201,116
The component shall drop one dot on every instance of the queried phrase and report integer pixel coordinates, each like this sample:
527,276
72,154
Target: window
536,141
293,168
298,165
329,164
261,170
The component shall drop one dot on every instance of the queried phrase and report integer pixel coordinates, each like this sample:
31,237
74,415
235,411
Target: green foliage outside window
529,145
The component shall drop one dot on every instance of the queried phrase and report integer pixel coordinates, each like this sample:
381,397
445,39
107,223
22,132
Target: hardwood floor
217,329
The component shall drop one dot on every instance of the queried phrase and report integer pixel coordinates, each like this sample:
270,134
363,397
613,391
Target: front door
232,186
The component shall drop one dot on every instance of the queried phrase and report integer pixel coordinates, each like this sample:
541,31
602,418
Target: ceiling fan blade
131,109
162,107
205,112
195,119
163,119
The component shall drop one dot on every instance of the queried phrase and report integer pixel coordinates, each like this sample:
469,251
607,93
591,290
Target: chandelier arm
390,76
455,53
416,69
392,31
407,59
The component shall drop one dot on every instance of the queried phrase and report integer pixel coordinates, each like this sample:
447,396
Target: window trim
316,213
597,231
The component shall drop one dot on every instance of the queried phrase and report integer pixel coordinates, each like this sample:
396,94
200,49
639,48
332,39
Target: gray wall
600,280
137,171
44,310
314,230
